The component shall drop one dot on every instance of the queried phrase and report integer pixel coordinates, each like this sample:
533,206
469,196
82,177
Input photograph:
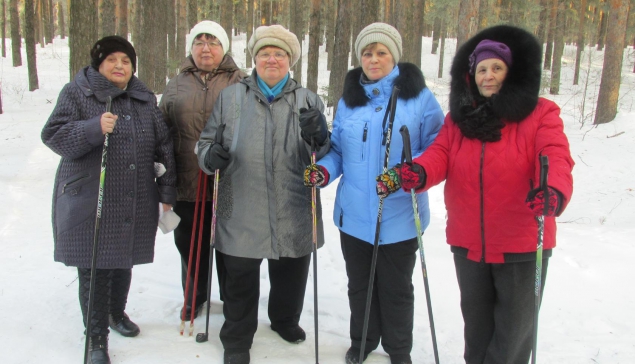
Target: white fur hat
206,27
277,36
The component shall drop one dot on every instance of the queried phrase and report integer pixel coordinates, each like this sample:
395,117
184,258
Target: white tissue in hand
168,221
159,169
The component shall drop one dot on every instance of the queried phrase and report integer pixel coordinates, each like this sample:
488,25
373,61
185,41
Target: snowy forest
588,71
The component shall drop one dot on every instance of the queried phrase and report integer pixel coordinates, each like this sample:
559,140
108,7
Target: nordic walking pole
407,150
93,264
201,175
373,264
198,254
315,244
202,337
544,171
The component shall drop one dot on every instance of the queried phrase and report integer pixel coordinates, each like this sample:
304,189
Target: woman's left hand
166,207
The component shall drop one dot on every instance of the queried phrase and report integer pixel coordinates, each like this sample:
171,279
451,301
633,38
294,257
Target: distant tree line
157,28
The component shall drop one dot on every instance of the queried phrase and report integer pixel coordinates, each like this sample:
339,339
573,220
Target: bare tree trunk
483,12
29,42
612,70
192,14
161,44
51,23
558,49
181,27
16,39
580,42
227,19
436,30
466,26
83,27
442,51
401,17
170,24
543,20
551,34
602,30
388,12
417,30
340,53
62,19
122,18
250,29
331,16
314,47
107,10
38,33
47,21
4,30
297,18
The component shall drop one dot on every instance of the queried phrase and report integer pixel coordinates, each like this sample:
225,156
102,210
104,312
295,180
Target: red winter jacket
487,183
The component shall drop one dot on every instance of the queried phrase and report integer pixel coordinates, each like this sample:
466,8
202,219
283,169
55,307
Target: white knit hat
206,27
277,36
382,33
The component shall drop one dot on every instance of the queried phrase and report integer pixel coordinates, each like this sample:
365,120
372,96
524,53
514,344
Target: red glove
315,176
536,202
412,176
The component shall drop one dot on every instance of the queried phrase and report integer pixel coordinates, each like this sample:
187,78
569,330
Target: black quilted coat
131,194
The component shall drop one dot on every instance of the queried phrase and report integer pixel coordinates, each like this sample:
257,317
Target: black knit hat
111,44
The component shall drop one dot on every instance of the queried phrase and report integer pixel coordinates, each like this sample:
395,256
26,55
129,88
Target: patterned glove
536,202
412,176
315,176
388,182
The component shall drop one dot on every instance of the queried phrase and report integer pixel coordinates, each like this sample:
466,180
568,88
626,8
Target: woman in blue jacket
357,156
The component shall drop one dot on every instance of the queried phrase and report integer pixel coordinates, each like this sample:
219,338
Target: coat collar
93,83
406,76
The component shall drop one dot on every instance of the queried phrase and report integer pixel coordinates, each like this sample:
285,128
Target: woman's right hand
108,121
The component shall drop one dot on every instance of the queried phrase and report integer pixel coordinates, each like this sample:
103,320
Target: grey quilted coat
131,193
264,210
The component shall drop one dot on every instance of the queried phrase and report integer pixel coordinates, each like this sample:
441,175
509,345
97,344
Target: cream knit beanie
277,36
206,27
379,33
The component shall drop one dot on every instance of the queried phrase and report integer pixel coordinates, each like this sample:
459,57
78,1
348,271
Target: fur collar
410,82
480,118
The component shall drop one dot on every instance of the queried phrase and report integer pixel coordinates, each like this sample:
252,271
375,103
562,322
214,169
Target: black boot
99,350
236,357
352,355
292,334
400,359
122,324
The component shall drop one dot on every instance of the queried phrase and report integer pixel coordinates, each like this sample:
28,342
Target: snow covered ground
588,312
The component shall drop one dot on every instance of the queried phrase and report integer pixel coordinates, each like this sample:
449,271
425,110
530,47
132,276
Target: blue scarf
271,93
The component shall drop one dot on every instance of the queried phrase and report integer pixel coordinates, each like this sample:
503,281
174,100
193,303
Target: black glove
217,157
313,125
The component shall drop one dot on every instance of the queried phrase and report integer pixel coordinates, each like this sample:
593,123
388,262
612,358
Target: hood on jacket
519,94
226,65
410,82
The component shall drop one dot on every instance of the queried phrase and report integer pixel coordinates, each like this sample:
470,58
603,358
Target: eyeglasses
199,44
279,56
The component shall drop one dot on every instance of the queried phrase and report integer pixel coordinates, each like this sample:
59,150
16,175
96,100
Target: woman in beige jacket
186,104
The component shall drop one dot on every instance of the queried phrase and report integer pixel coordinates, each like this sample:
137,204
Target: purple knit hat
487,49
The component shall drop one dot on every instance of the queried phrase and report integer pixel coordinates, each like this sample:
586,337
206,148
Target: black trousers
392,303
182,240
241,293
111,295
497,302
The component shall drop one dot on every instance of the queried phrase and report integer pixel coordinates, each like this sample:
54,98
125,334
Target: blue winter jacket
357,153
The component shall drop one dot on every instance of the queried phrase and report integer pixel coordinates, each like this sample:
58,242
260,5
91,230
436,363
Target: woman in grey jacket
264,210
130,211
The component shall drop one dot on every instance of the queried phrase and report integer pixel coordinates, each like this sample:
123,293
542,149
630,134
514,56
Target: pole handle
407,149
544,171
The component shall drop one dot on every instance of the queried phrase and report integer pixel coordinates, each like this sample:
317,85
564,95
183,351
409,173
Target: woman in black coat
130,211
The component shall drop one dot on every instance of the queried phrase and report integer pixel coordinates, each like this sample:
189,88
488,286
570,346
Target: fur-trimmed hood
410,82
517,97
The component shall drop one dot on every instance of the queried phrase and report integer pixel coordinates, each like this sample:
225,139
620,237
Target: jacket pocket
76,200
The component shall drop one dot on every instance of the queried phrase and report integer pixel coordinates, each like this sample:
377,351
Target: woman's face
117,68
489,76
207,52
272,64
377,61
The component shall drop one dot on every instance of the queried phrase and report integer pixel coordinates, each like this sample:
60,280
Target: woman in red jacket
488,154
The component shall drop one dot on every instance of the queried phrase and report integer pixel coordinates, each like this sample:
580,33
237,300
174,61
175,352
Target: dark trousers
497,302
241,293
392,303
111,295
182,240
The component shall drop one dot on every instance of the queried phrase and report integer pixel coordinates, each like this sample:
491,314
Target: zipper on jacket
482,204
364,137
341,217
68,184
